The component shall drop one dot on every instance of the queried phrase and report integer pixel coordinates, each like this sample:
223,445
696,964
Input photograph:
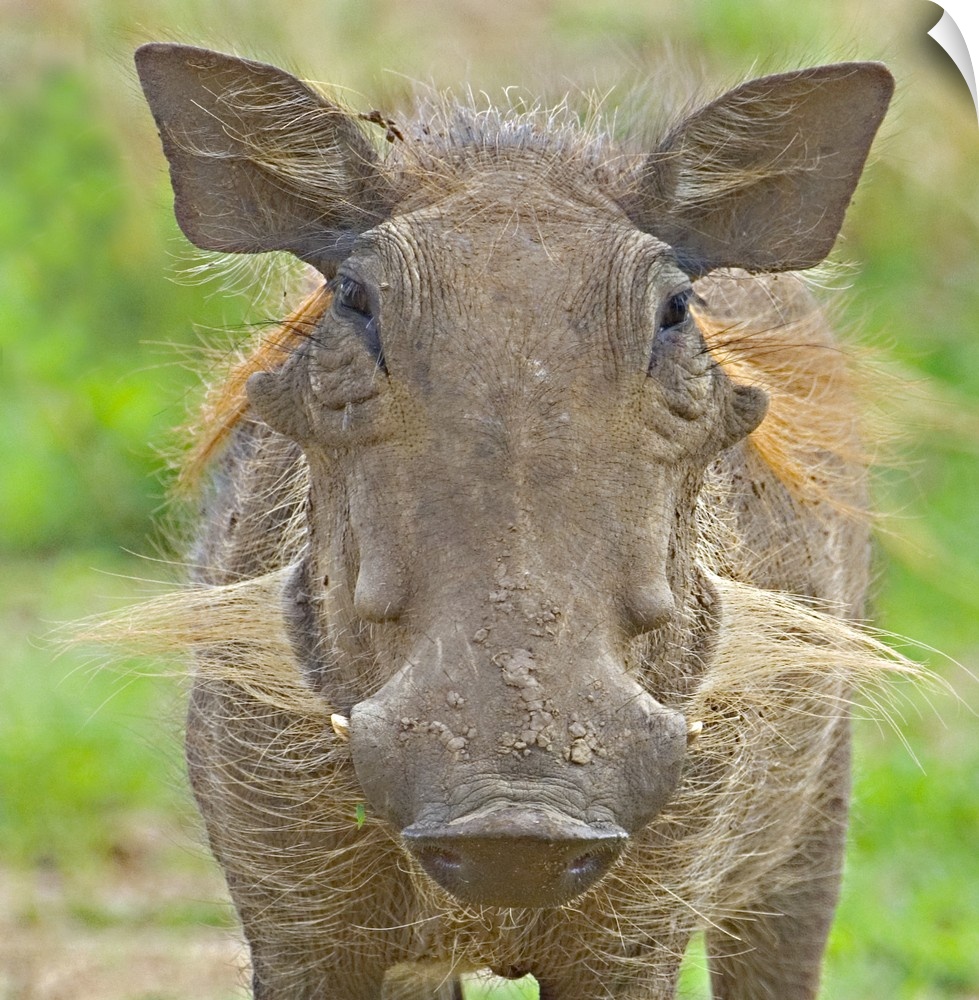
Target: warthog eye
351,299
675,310
352,295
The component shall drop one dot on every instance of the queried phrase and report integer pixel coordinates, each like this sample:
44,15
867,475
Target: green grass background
98,342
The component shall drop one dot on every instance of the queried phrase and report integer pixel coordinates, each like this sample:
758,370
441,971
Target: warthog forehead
518,287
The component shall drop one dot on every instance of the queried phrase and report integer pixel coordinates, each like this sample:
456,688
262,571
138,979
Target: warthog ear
761,178
258,160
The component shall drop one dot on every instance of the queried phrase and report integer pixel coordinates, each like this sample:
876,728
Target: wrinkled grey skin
508,414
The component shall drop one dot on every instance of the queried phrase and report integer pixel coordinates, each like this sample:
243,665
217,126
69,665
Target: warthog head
507,411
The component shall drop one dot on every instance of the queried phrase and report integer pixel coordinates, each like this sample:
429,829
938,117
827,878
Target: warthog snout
526,798
515,857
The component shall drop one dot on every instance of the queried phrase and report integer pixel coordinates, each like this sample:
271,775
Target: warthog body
521,628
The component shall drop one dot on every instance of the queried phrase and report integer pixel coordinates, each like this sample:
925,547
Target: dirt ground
65,963
143,927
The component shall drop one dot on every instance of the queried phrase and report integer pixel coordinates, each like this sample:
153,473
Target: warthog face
506,411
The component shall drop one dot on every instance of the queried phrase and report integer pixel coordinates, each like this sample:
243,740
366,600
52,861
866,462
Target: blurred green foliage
67,778
96,335
87,390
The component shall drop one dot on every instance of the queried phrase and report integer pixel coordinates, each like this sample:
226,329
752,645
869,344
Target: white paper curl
952,39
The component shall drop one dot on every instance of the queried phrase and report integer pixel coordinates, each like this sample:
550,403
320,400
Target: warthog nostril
525,858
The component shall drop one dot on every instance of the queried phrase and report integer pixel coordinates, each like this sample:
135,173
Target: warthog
530,543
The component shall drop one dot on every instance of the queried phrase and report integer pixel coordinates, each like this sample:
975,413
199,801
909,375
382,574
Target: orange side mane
812,437
226,403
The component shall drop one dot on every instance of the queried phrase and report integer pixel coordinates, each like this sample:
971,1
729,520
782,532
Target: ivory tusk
694,729
341,726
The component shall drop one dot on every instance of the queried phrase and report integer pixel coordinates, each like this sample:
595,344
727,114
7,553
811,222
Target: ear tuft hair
761,178
258,160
